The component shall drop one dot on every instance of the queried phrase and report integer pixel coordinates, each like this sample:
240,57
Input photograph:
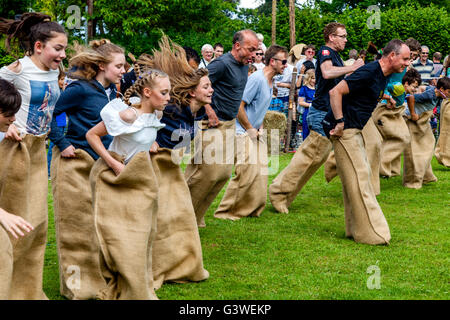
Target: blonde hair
171,58
147,79
308,76
88,59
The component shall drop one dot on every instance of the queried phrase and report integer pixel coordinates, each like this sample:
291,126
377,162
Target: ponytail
32,27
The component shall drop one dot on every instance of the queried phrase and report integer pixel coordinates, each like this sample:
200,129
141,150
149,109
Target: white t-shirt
39,90
285,77
129,138
204,63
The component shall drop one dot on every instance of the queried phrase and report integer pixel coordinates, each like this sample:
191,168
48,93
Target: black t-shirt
323,86
127,81
366,86
228,78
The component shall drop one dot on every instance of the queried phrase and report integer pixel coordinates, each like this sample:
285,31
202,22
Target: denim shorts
314,120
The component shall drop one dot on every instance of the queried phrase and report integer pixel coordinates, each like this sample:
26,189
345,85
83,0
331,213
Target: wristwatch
340,120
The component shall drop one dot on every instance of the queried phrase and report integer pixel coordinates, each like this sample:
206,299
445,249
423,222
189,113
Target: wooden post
274,21
90,23
292,21
291,111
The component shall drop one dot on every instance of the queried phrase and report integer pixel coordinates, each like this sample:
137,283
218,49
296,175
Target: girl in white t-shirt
24,182
125,188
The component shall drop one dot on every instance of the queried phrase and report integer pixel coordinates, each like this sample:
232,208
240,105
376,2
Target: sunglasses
283,62
259,54
424,53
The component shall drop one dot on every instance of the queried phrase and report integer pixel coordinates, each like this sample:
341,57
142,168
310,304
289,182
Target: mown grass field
305,255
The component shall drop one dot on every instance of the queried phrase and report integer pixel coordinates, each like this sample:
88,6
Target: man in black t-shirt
211,166
313,152
352,102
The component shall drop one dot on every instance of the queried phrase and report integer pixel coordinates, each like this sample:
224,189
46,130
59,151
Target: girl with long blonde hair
94,71
177,252
124,187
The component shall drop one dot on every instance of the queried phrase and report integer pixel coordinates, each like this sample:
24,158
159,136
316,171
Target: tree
8,8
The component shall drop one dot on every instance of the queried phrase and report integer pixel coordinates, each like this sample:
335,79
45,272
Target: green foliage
8,8
430,25
338,6
193,24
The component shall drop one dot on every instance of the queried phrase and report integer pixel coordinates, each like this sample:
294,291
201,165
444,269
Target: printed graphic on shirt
325,52
42,103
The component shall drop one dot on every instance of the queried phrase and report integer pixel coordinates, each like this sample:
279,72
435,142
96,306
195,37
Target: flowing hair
171,59
32,27
147,79
86,60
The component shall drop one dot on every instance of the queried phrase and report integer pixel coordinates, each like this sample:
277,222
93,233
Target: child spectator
419,152
305,98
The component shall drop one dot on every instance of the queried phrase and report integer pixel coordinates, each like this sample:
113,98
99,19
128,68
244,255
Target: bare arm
245,123
213,119
301,101
336,95
331,72
411,101
93,137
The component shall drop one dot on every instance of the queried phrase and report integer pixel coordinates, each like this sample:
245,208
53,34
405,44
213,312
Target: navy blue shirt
323,86
179,129
228,78
127,81
82,101
366,86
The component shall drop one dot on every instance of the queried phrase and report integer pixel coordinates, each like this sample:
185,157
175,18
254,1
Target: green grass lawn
305,255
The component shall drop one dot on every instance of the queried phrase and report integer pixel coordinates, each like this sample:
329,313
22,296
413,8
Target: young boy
10,101
419,152
389,122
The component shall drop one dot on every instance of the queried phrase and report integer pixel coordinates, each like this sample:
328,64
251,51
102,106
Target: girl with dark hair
96,69
24,185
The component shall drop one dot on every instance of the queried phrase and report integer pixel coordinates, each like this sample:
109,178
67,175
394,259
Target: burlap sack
211,166
419,152
442,151
6,264
23,191
77,244
364,219
372,143
395,133
246,194
275,125
177,251
308,158
125,211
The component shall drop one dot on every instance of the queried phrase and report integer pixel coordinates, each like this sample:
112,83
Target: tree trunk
292,22
274,21
90,24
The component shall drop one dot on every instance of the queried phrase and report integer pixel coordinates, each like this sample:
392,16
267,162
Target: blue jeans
314,120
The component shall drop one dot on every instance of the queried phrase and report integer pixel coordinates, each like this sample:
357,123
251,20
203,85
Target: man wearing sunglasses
259,56
424,65
314,151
